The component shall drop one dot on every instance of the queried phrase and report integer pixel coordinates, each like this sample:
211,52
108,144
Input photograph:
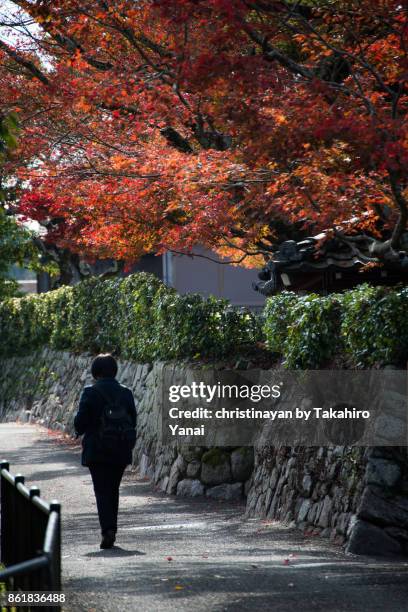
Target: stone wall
354,496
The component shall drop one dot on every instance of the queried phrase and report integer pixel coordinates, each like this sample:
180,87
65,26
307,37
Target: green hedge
368,326
137,317
375,325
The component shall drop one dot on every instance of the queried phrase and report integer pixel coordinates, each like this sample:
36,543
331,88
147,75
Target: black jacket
88,419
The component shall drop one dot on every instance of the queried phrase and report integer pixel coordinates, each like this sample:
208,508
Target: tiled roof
308,256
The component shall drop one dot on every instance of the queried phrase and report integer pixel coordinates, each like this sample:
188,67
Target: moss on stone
215,457
245,451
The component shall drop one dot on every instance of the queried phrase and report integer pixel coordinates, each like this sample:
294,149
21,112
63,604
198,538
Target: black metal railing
30,538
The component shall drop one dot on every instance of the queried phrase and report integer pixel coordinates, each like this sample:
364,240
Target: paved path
219,562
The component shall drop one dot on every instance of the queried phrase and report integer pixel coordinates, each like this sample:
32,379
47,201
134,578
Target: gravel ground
191,554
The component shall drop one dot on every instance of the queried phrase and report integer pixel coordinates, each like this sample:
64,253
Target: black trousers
106,482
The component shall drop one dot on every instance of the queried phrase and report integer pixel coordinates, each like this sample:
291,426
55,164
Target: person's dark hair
104,366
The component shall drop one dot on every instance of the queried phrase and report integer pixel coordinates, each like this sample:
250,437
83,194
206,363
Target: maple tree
163,124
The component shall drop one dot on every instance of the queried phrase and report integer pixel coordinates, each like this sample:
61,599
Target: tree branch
27,64
402,204
221,263
272,54
176,140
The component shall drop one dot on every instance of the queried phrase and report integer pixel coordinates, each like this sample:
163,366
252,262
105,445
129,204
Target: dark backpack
116,430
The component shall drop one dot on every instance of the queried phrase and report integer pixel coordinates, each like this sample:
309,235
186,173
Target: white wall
198,275
27,279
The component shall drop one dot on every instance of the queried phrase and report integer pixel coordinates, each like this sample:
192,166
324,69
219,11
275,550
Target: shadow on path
191,555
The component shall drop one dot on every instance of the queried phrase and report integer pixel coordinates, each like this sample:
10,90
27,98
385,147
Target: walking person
107,418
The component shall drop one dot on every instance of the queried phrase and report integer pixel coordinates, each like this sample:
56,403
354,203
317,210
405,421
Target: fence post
55,565
19,527
4,465
34,491
33,539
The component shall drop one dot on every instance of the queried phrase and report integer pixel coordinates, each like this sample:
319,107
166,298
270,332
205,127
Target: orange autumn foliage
163,124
